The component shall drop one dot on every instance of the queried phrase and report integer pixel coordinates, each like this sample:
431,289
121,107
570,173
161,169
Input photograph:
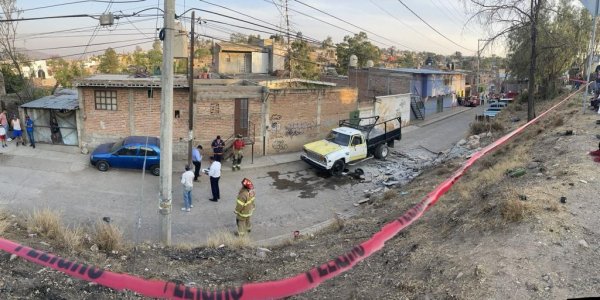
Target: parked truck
353,141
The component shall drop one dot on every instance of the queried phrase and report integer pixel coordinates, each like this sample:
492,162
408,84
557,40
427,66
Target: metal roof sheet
63,99
420,71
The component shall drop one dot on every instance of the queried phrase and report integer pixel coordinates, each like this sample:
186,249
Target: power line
403,23
361,28
341,28
432,27
87,45
76,2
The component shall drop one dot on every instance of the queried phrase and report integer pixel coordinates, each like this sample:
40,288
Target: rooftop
226,46
63,99
125,80
420,71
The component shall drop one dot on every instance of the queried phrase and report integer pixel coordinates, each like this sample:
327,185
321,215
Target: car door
126,157
358,148
151,156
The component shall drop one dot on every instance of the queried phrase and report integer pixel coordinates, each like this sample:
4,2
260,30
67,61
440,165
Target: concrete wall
260,62
232,63
392,106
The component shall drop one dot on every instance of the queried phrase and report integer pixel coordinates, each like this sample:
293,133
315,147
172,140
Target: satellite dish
370,63
353,61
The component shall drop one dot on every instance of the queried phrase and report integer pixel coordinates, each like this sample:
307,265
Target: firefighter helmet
247,183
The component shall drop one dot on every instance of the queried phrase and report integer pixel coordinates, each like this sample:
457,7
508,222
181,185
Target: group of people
15,123
245,200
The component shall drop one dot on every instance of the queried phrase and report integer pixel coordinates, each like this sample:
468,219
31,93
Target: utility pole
477,74
191,89
588,68
166,121
287,22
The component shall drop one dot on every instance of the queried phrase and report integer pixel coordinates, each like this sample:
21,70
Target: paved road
289,196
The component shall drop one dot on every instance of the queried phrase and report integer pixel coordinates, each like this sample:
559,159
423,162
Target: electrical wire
441,34
344,21
87,45
406,25
76,2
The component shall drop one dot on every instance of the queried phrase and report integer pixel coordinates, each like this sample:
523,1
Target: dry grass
496,126
71,239
4,223
46,223
108,237
494,172
185,246
478,127
227,238
514,210
390,194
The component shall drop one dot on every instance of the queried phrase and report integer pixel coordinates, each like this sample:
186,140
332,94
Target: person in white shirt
187,179
214,172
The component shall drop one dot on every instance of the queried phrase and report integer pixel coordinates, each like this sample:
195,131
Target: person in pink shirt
4,120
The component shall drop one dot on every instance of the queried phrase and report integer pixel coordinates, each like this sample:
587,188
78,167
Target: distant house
273,115
431,91
234,58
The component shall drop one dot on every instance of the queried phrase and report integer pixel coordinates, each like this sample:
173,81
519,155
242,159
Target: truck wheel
338,167
381,152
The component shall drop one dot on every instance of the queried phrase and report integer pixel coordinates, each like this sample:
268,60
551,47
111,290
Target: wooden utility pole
191,89
166,122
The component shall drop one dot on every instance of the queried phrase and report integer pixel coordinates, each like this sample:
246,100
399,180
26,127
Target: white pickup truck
353,142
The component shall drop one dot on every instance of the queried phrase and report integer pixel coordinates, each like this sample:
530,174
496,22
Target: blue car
128,153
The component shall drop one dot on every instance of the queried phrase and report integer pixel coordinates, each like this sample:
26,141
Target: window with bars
106,100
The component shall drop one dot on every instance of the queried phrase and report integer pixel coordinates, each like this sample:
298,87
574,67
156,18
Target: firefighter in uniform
245,207
238,152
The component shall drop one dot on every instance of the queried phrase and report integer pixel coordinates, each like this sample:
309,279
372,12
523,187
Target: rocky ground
520,224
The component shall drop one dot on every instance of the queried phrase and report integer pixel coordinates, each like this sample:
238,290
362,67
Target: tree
518,14
155,56
327,43
64,72
301,64
109,62
8,32
562,39
238,38
358,45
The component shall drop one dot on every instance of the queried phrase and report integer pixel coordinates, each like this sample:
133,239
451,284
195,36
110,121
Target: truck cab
349,144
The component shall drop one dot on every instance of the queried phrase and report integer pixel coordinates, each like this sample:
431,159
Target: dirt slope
491,237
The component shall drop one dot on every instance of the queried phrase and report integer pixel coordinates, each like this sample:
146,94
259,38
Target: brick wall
375,82
287,120
296,117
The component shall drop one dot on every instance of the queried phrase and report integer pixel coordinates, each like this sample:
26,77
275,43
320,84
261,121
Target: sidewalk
70,154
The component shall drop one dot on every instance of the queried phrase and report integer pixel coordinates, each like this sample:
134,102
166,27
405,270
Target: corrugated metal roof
420,71
123,80
63,99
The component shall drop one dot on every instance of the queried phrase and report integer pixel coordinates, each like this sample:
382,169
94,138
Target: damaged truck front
353,141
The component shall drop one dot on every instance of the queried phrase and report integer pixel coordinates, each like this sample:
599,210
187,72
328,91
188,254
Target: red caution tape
261,290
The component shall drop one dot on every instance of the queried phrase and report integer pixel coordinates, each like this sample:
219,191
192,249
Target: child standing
3,136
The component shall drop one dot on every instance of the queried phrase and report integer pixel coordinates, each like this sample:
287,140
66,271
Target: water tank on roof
353,63
370,63
180,41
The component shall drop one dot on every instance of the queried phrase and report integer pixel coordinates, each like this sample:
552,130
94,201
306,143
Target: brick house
274,116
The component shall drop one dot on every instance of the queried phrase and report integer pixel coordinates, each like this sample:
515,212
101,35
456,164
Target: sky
387,23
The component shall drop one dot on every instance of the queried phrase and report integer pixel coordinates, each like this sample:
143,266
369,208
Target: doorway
241,116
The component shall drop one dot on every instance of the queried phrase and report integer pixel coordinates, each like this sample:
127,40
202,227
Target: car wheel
155,170
102,166
381,152
338,167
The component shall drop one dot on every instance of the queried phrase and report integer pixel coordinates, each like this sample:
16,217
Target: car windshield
338,138
116,146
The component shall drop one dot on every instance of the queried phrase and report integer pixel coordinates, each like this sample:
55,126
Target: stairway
415,107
